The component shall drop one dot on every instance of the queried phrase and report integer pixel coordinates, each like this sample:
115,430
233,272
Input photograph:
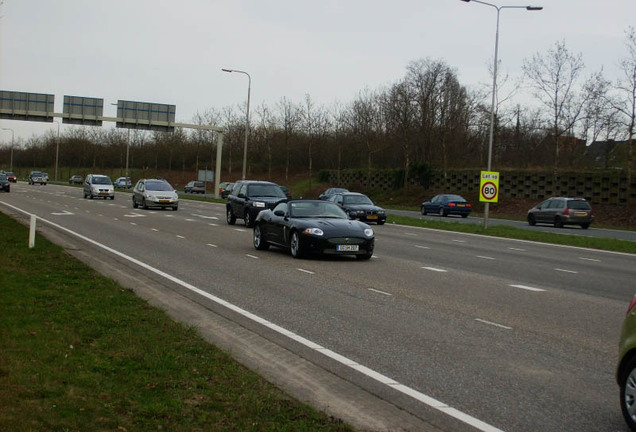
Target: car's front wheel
442,212
294,245
628,393
249,219
135,205
531,220
259,242
229,216
423,211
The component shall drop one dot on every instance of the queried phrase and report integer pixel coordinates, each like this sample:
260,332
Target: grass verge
521,234
80,353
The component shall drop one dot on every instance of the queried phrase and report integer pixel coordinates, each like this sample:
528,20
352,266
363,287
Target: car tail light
632,304
452,204
468,205
566,212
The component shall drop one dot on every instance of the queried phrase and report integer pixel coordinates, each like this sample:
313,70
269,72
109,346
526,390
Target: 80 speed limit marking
489,190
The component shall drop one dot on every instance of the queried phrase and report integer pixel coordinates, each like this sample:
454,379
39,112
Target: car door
276,223
239,201
546,212
433,205
138,192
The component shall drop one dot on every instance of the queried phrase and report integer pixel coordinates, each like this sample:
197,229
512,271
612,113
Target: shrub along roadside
79,352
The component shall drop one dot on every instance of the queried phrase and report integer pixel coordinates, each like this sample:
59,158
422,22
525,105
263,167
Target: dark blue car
446,204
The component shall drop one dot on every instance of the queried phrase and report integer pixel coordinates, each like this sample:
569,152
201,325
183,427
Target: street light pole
247,116
494,86
57,148
12,139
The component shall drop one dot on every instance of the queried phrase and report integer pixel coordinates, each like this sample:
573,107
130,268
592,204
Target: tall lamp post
57,148
247,115
494,85
12,139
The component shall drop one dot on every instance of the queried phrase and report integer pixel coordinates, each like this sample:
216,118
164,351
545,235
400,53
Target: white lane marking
305,271
411,234
517,249
528,288
380,292
485,257
205,217
493,324
212,245
134,215
435,269
566,271
190,220
422,247
427,400
63,213
132,223
589,259
251,256
154,229
180,236
459,241
213,224
239,230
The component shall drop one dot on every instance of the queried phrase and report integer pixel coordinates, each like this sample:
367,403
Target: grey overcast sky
172,51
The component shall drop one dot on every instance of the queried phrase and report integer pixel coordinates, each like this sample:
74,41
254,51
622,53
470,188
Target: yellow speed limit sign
489,186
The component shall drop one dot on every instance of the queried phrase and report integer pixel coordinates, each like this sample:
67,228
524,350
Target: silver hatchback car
98,186
559,211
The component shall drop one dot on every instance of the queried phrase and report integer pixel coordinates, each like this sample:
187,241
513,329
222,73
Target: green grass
80,353
520,233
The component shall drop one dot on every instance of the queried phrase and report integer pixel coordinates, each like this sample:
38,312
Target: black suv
249,197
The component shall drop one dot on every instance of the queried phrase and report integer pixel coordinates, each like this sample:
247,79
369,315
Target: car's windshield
357,199
578,205
103,180
266,190
10,174
316,209
161,186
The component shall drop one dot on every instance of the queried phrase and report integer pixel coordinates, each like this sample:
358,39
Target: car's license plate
581,213
347,248
164,201
461,205
372,217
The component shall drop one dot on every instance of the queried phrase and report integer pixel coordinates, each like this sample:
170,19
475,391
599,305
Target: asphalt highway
504,334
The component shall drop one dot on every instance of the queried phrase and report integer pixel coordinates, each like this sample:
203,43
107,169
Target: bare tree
626,88
398,104
554,77
290,120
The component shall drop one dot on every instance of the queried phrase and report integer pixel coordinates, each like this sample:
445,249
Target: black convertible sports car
313,226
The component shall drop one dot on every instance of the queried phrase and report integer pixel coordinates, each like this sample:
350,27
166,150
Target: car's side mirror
279,213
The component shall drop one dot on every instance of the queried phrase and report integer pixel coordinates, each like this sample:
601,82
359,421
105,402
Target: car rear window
578,205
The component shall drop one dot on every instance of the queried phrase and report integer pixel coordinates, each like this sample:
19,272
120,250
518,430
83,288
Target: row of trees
426,118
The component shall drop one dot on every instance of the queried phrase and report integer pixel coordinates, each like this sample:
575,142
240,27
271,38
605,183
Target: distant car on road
312,226
11,177
446,204
195,187
76,179
626,367
98,186
225,189
155,193
37,177
559,211
359,206
5,185
331,192
123,183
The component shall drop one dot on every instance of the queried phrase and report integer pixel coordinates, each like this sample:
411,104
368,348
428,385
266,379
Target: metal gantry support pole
247,116
12,141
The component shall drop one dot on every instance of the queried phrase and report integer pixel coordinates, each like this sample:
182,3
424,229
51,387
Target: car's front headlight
313,231
368,232
258,204
381,212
